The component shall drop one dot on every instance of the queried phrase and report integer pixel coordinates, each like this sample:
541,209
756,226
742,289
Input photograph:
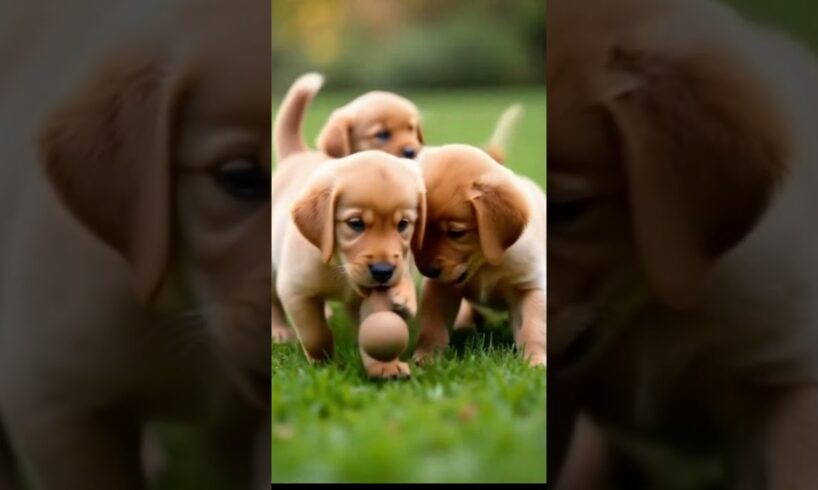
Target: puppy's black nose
432,272
381,271
409,152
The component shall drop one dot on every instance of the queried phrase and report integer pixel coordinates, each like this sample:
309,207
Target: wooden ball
383,336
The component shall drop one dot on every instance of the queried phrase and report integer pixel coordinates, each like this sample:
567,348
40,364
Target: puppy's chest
488,288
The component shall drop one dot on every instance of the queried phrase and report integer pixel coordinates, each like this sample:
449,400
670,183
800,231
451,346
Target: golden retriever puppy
377,120
341,228
386,121
484,242
682,274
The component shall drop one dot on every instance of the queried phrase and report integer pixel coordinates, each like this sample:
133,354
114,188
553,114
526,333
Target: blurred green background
479,414
798,17
395,44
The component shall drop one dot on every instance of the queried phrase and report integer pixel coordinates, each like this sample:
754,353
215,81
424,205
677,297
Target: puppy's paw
537,360
282,334
424,355
387,370
403,300
430,346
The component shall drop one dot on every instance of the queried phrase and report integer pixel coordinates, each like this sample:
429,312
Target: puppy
374,121
485,242
134,280
340,138
385,121
681,271
341,228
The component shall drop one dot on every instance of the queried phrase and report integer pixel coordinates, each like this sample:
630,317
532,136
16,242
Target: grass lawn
477,415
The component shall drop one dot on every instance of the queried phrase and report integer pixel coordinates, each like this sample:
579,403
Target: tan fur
287,124
498,143
678,177
499,262
317,257
132,287
352,128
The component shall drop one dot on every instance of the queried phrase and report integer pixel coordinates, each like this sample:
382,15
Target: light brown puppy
341,228
467,316
134,270
484,242
377,120
386,121
682,277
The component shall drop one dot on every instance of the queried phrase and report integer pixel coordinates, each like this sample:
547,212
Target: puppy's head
164,155
374,121
663,150
365,209
475,213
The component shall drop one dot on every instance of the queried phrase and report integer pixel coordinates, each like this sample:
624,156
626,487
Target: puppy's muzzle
381,272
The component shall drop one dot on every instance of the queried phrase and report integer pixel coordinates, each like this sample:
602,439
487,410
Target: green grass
476,415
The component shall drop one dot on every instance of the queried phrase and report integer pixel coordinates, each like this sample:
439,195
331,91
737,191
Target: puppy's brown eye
243,178
356,224
456,234
383,135
403,225
564,212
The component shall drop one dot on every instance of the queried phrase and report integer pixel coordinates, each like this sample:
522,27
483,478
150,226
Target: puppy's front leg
530,326
310,325
440,303
404,297
281,333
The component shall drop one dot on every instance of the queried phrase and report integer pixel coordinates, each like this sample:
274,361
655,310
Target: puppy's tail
498,143
287,138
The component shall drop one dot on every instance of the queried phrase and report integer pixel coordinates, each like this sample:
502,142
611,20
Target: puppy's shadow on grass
488,332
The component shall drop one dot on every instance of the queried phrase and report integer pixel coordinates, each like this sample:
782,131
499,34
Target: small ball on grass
384,336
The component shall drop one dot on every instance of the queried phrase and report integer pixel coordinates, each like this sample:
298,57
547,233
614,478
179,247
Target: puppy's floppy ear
419,132
334,139
106,153
702,149
420,225
502,215
314,216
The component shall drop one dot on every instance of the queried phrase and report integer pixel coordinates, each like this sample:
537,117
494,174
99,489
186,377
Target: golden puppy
374,121
340,228
681,271
485,242
385,121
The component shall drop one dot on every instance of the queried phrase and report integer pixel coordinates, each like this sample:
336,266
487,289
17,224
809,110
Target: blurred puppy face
167,160
475,213
663,152
365,209
375,121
